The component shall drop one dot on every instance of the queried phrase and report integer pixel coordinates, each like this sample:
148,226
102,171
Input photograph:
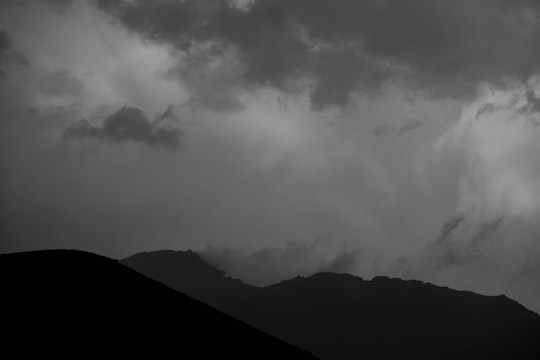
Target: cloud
126,125
386,129
211,78
411,125
462,240
5,42
490,238
487,108
443,48
528,271
4,45
500,180
450,226
271,265
9,56
58,83
382,130
34,86
533,102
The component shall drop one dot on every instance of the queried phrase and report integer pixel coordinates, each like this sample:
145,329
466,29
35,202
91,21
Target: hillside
71,303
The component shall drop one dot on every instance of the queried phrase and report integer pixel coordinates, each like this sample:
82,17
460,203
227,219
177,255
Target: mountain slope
187,272
339,316
72,303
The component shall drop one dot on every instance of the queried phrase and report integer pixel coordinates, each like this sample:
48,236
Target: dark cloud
443,47
450,226
412,124
533,102
272,265
167,114
211,77
5,42
59,4
339,72
8,56
127,124
5,45
385,129
487,108
462,241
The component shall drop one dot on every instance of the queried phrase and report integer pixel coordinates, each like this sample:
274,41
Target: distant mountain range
340,316
66,303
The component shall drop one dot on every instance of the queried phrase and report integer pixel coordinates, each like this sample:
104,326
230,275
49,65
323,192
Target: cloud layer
271,265
491,242
444,48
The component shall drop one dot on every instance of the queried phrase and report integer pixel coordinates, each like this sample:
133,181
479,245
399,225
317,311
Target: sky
279,137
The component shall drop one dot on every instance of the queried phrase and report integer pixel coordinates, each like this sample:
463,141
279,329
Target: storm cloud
128,124
443,48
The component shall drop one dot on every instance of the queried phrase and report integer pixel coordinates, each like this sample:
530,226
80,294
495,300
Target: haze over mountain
340,316
72,303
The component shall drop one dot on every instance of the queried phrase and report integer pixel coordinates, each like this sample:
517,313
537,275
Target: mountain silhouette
72,303
340,316
187,272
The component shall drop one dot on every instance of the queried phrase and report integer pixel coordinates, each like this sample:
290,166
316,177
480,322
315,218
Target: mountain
187,272
72,303
340,316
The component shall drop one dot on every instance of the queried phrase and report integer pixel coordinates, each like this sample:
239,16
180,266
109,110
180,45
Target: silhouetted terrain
339,316
72,303
186,272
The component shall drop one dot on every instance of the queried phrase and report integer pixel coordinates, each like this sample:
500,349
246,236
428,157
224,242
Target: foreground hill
340,316
71,303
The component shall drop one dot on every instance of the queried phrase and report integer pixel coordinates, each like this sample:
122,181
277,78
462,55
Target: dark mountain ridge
341,316
187,272
72,303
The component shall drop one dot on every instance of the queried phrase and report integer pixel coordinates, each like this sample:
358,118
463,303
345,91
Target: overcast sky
279,137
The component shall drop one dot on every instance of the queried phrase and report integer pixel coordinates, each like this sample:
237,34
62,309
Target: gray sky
279,137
